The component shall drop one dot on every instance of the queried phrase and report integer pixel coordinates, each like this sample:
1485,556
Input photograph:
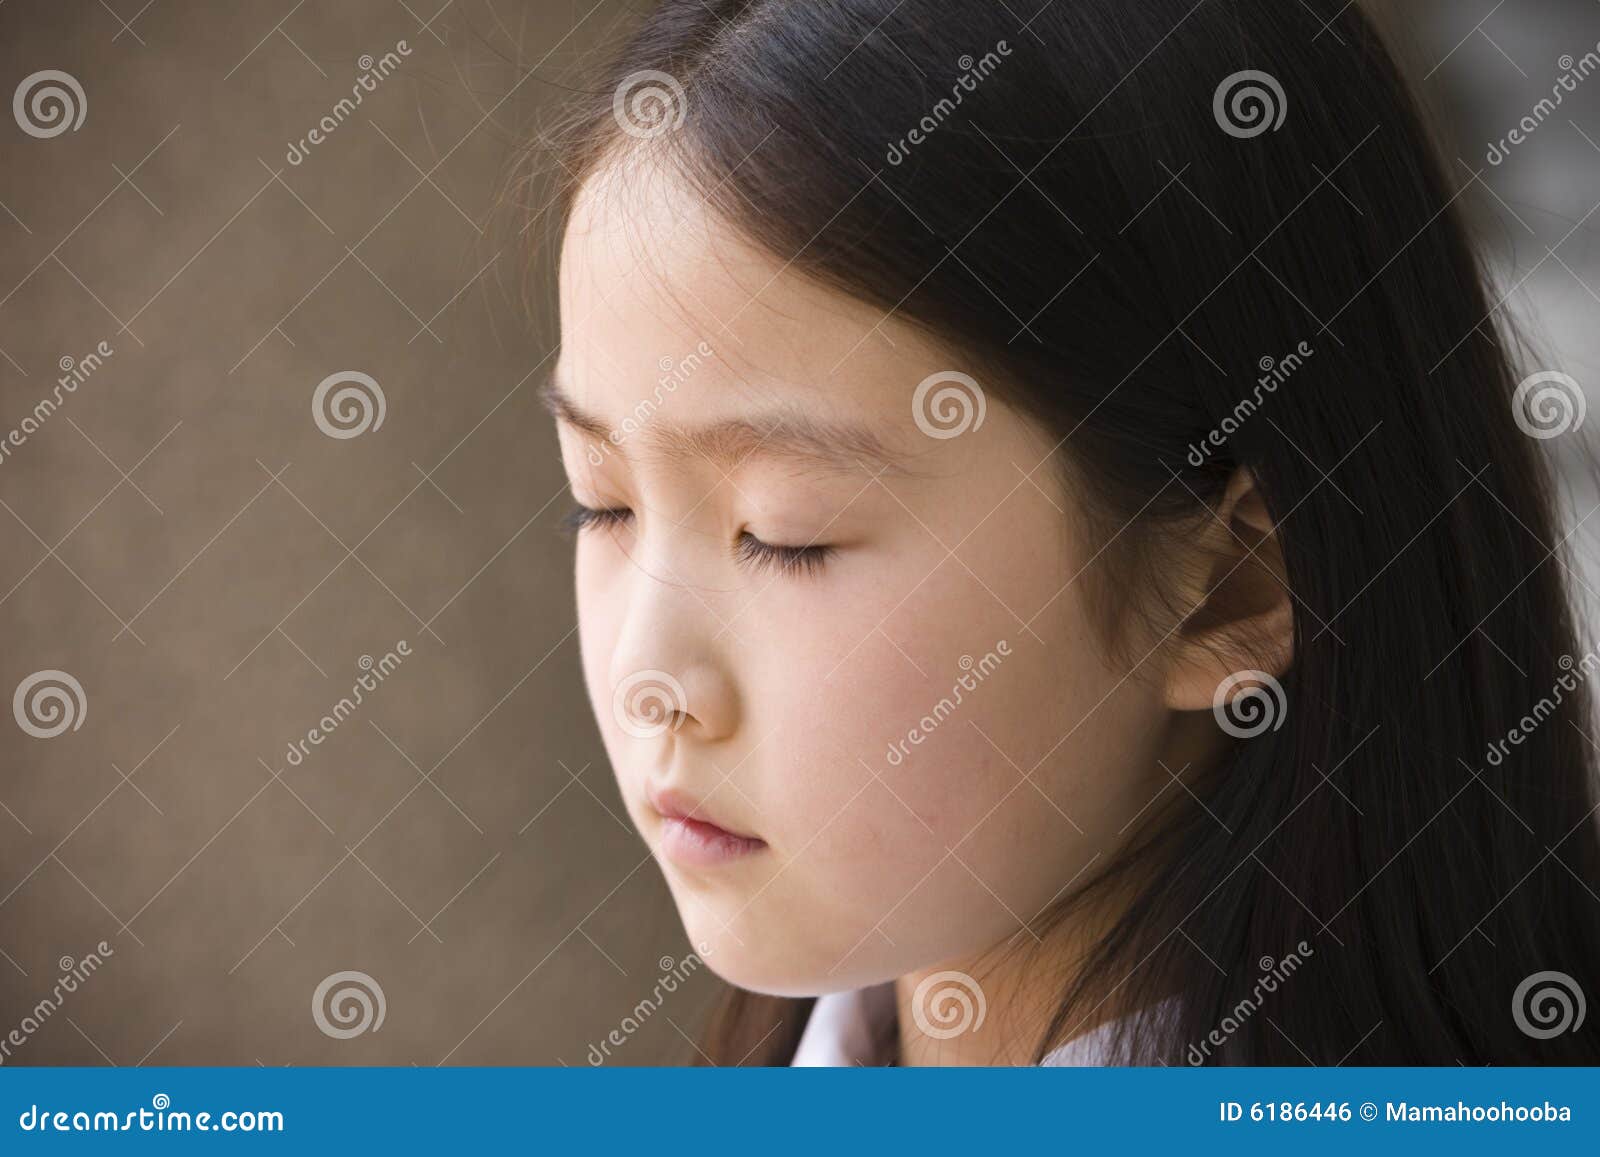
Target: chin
771,967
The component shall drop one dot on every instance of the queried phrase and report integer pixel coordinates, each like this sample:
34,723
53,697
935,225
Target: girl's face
833,624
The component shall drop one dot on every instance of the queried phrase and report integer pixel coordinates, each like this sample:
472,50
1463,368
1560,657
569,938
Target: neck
1017,986
993,1008
989,1010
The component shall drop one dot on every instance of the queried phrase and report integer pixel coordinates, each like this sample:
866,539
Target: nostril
649,703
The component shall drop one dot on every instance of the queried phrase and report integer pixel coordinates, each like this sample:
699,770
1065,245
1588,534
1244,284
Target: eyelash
796,561
581,518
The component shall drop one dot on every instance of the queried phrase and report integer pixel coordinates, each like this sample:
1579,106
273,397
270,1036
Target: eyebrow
780,434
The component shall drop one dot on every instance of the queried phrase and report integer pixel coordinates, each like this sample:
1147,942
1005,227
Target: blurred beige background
180,536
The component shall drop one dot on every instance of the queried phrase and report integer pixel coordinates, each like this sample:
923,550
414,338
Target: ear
1243,616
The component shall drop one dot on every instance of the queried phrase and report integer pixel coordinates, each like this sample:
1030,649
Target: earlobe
1242,616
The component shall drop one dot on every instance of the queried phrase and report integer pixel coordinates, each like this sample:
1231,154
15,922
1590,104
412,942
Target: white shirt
845,1026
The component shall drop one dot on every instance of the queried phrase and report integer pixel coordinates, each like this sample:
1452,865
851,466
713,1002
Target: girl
1067,572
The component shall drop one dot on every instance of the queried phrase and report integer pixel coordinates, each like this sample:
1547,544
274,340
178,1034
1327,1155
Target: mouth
690,837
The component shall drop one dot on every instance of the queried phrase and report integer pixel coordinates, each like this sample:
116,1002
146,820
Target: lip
690,836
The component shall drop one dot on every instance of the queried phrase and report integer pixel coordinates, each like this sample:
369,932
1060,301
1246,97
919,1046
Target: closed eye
788,560
582,517
750,551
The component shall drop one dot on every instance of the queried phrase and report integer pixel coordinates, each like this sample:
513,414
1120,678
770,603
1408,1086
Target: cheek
940,770
914,682
600,618
877,762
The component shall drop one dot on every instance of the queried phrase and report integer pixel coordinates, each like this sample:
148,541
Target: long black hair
1190,236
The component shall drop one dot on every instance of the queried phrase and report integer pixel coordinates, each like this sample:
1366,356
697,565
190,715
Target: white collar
847,1028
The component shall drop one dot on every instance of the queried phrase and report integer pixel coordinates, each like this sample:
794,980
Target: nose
669,673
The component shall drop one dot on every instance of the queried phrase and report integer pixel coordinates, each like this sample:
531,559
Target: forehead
651,279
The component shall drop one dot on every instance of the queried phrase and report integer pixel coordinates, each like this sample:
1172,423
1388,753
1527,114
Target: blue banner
767,1111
